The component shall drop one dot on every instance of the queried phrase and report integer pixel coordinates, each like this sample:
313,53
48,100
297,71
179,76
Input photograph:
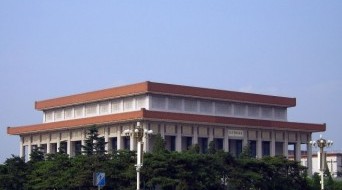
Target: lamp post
321,144
138,133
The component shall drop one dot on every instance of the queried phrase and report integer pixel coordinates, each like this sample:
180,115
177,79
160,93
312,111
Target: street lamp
321,144
139,133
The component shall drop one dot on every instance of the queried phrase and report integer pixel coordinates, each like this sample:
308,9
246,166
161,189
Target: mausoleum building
182,115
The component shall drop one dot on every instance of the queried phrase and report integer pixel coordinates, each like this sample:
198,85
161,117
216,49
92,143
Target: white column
286,145
69,151
145,142
273,142
162,130
211,134
29,151
298,151
106,136
21,148
226,140
48,147
69,147
146,138
195,135
131,143
82,144
245,138
109,145
118,138
58,145
259,145
29,148
309,155
179,138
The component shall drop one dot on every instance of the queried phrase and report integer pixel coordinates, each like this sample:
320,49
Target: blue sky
55,48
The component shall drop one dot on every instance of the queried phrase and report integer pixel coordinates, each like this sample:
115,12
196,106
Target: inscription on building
235,133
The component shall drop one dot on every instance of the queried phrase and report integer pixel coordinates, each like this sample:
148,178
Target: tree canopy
188,170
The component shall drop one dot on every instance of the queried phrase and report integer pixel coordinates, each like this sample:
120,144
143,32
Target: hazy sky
56,48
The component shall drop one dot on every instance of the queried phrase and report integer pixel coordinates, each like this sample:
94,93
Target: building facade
182,115
333,163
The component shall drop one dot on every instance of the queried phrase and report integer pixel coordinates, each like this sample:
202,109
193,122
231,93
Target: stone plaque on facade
266,135
113,130
279,136
304,138
123,128
65,135
252,135
218,132
102,131
187,130
36,138
154,127
27,139
292,137
76,133
202,131
45,138
235,133
170,129
55,136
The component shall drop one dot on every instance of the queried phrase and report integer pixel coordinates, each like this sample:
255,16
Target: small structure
333,163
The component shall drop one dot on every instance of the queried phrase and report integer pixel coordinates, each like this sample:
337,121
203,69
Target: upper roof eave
162,88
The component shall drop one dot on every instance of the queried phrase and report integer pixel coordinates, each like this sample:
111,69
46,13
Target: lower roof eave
234,125
169,117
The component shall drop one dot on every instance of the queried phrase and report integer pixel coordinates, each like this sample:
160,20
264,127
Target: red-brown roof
165,116
161,88
69,124
92,96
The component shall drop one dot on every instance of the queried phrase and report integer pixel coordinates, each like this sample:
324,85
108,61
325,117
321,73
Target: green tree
175,170
52,173
94,144
212,148
37,155
13,173
120,169
195,149
314,182
246,152
159,144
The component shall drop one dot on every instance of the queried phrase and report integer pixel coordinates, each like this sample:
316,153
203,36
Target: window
128,104
280,113
58,115
223,108
239,109
91,109
266,149
158,102
206,107
68,113
79,111
49,116
190,105
141,103
253,111
104,107
116,106
175,103
266,112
